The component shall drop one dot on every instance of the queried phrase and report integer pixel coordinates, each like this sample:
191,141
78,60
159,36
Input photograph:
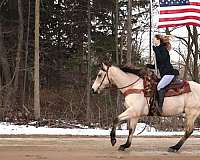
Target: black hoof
113,141
113,137
173,149
121,148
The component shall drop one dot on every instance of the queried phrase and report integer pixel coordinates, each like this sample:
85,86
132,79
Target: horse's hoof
173,149
113,141
121,148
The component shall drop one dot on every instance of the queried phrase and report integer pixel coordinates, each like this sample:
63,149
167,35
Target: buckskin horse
137,105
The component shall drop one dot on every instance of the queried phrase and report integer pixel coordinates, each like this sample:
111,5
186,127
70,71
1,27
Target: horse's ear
104,67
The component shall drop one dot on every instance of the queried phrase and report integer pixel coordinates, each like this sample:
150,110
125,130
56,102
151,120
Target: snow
11,129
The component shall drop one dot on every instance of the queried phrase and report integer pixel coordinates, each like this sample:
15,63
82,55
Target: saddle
175,88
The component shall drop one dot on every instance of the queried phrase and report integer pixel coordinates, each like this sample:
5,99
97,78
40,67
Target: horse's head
102,80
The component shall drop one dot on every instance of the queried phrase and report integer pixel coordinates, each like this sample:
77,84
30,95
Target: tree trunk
187,59
129,34
116,31
3,58
88,115
26,56
123,58
117,51
36,63
196,55
5,72
194,44
16,92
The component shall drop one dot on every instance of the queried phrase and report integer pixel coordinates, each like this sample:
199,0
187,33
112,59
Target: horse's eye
99,75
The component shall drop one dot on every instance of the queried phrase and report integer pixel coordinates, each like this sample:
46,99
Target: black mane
135,70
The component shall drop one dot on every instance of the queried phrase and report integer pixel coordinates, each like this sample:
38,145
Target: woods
61,43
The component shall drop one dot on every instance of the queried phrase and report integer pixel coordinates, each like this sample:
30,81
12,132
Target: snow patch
11,129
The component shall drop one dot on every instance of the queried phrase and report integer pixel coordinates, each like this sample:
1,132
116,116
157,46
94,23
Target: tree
190,45
19,53
88,111
193,34
36,63
129,33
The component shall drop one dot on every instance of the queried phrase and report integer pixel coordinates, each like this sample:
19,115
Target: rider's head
161,39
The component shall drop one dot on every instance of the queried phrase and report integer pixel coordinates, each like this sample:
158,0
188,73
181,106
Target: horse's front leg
125,116
116,122
132,126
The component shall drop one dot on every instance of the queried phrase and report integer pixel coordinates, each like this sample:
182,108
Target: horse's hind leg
132,126
188,131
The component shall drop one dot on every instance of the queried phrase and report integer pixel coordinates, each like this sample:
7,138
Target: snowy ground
10,129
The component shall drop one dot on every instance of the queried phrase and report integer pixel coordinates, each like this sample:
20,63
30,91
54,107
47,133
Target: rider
161,48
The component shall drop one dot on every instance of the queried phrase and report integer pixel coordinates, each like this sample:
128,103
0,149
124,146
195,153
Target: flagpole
150,37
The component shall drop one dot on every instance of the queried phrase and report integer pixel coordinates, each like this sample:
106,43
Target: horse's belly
173,105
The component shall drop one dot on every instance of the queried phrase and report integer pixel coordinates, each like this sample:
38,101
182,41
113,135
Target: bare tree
117,51
116,31
36,63
26,55
191,58
5,69
129,33
88,115
193,33
19,51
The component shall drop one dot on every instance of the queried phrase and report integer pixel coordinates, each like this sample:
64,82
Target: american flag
179,13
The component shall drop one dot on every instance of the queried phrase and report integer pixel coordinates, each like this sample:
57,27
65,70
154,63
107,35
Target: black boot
161,95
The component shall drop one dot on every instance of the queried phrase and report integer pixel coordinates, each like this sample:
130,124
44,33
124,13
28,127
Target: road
94,148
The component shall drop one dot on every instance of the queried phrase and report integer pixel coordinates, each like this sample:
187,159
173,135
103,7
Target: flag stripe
179,18
195,3
181,21
194,0
178,15
179,11
179,7
180,24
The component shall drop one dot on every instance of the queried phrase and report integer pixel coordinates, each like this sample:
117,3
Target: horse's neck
122,79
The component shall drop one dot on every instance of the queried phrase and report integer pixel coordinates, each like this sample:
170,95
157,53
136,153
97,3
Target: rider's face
156,41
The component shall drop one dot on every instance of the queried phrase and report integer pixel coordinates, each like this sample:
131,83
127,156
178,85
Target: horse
137,105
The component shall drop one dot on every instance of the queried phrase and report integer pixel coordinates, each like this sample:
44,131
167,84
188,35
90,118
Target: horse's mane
139,71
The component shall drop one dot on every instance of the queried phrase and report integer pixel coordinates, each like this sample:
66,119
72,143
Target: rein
129,84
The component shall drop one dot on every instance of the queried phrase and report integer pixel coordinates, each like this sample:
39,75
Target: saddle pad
177,89
174,89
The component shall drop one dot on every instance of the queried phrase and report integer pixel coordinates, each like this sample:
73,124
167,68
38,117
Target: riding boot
161,95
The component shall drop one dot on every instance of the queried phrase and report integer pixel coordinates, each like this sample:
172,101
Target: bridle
110,80
105,77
